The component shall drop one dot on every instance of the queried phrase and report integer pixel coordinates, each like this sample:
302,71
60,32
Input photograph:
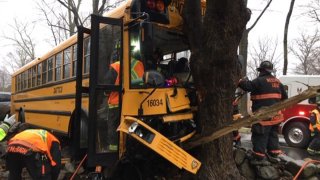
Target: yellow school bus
92,89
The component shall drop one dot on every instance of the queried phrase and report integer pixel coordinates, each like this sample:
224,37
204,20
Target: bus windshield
163,52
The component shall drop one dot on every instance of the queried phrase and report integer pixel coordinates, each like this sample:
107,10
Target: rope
303,166
75,172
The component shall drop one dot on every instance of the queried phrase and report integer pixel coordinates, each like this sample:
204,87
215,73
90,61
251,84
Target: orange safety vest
38,140
275,120
114,96
317,125
137,71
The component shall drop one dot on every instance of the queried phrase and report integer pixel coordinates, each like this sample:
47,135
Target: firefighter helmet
266,66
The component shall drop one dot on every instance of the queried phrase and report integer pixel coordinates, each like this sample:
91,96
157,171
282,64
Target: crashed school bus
107,90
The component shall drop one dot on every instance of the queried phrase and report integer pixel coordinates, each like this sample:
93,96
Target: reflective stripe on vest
38,140
113,100
317,125
266,96
4,128
275,120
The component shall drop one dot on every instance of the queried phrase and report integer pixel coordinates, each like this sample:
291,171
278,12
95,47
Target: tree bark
285,39
215,71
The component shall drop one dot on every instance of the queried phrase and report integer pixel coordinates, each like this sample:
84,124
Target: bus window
34,76
44,72
136,65
66,63
25,80
74,61
39,75
50,69
17,82
86,55
29,77
58,66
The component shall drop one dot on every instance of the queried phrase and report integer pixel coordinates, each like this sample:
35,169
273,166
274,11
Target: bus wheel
297,134
78,135
21,117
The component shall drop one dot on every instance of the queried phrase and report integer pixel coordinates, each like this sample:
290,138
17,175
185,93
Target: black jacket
266,90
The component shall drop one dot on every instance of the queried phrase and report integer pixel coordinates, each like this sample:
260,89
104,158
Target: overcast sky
271,24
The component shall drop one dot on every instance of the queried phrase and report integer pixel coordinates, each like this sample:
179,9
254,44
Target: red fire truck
295,127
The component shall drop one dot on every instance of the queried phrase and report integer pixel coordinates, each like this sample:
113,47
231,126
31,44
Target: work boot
275,157
259,160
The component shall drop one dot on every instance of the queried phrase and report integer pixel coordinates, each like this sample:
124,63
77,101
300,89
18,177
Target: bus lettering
57,90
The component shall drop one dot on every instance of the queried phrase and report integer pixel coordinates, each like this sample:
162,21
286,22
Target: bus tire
297,134
77,152
21,117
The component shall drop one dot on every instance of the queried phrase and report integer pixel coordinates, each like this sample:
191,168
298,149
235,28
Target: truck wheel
297,134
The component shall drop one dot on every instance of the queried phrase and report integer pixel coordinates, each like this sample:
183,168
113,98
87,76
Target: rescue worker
137,71
36,149
266,90
314,146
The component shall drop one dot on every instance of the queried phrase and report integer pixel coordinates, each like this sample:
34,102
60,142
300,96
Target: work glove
10,120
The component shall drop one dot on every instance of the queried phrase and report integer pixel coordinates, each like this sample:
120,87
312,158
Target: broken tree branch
256,117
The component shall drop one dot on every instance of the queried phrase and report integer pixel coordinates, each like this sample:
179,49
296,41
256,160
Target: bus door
104,90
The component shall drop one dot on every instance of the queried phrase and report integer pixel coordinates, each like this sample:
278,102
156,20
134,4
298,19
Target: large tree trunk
215,72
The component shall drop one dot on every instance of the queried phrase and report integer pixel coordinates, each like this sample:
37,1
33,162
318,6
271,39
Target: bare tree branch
260,15
306,50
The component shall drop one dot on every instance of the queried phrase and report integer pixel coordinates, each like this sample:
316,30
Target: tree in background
23,45
22,51
63,16
243,46
5,79
243,50
313,10
307,50
285,38
214,42
266,50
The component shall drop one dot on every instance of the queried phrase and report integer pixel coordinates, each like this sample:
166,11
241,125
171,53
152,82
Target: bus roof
114,13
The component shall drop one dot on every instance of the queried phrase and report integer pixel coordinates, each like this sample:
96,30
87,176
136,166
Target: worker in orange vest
36,149
113,77
314,146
